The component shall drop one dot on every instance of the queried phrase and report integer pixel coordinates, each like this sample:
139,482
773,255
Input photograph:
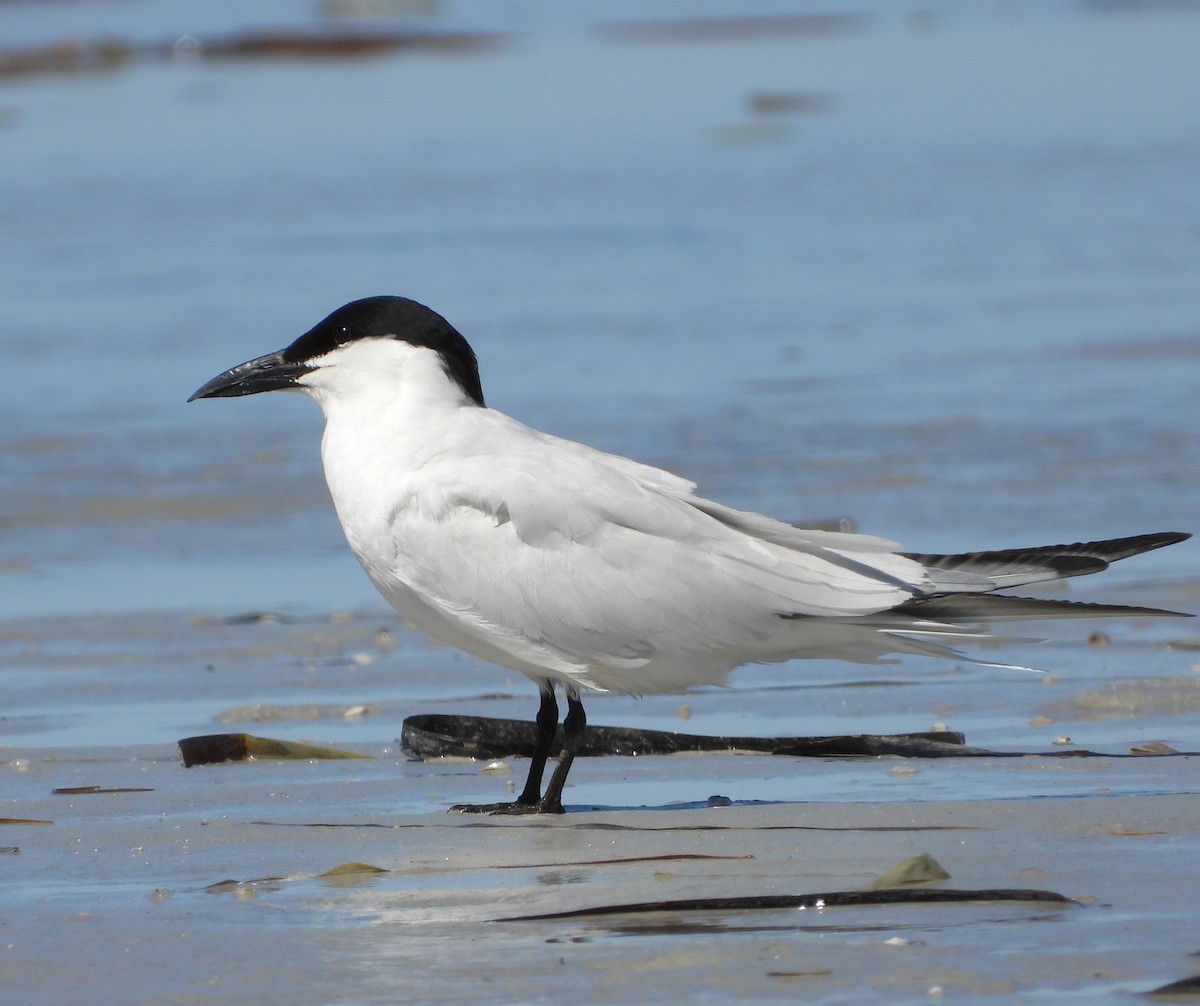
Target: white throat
391,411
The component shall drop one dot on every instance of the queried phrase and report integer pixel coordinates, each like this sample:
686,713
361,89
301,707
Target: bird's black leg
547,727
530,801
573,727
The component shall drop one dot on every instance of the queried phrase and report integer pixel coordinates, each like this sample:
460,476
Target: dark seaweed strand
833,899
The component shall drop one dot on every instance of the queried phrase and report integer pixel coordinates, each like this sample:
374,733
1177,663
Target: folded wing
570,563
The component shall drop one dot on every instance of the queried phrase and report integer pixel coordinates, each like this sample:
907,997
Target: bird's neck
377,455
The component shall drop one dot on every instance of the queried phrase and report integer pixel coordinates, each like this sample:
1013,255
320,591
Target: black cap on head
395,318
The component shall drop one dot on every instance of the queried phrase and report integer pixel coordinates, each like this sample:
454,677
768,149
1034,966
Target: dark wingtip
970,608
1122,548
1171,537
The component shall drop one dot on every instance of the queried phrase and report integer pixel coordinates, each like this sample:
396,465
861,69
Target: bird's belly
469,635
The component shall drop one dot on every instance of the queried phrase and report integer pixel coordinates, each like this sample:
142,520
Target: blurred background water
932,267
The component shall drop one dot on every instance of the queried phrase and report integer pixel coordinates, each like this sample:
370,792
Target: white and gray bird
582,569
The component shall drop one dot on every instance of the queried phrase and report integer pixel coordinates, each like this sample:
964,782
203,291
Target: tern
587,570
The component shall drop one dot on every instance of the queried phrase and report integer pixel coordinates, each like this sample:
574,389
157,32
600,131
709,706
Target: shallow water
934,271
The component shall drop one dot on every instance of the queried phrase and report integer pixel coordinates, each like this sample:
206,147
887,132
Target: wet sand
209,888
